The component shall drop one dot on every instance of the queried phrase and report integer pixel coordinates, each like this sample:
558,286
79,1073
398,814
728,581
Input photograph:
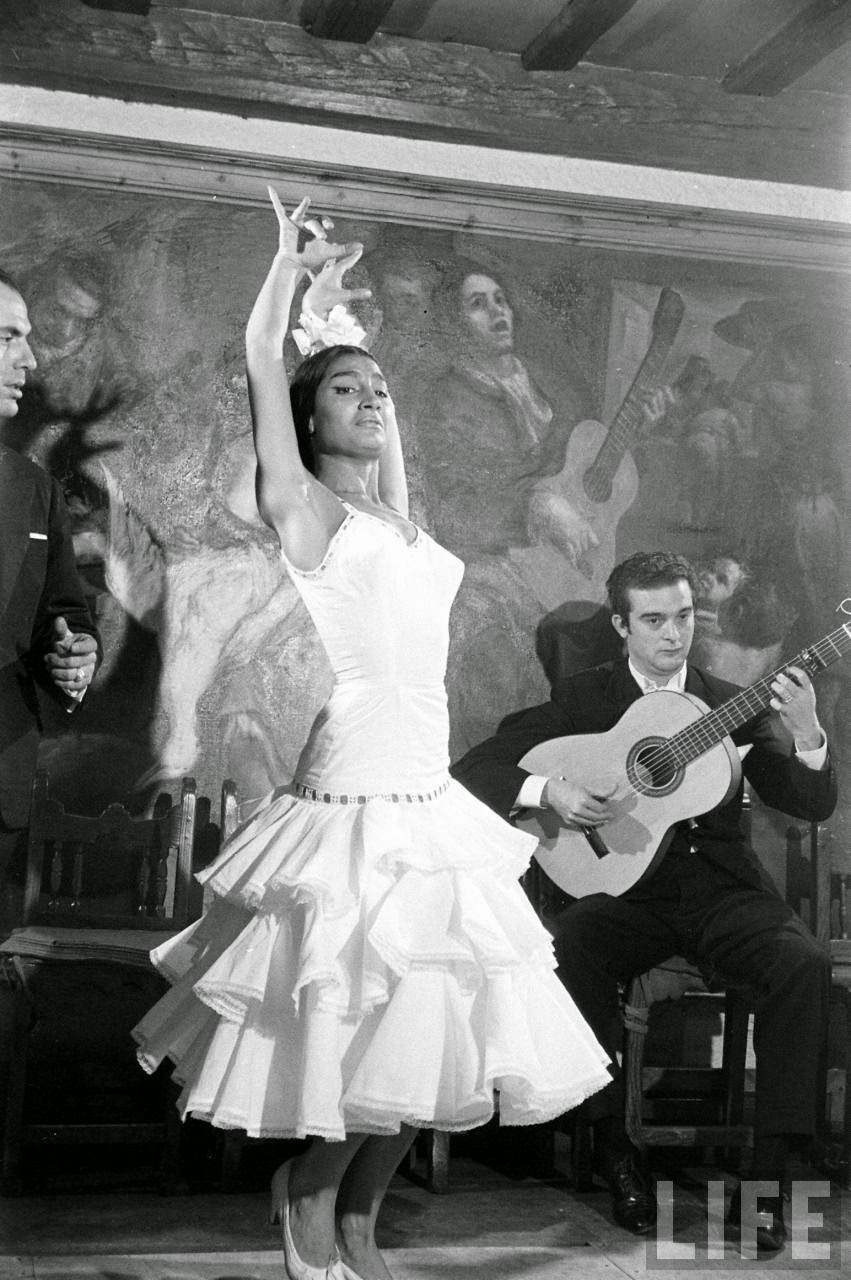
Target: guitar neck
704,733
627,421
629,417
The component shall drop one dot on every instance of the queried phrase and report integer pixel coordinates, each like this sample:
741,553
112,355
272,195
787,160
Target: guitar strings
694,739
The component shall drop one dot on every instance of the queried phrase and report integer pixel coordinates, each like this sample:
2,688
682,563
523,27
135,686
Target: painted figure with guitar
699,891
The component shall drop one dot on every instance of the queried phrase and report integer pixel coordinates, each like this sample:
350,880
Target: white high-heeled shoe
280,1212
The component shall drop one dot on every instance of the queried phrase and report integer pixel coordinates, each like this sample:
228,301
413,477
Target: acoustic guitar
671,759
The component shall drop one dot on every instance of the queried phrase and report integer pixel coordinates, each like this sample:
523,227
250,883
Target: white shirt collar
677,681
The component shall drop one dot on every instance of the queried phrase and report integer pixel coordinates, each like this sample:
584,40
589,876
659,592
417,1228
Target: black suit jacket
594,700
38,583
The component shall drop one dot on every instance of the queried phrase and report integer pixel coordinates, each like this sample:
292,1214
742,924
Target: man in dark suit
707,899
47,637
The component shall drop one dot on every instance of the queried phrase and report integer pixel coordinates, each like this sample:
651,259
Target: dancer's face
487,314
352,408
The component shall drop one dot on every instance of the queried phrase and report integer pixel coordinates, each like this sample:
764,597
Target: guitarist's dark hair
644,570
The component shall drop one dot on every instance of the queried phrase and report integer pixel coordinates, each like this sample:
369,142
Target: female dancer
370,963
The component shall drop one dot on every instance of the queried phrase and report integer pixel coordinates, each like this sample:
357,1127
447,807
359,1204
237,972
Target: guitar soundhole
651,767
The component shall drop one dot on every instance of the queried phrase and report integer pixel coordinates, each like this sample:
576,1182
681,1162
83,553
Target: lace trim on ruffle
546,1109
304,792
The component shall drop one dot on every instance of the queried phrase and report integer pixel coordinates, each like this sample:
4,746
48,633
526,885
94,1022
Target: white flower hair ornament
339,328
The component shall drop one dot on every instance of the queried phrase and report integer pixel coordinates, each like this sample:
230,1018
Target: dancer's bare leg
314,1181
359,1199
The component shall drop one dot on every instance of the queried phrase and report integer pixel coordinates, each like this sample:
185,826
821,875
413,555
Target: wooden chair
711,1100
818,882
100,892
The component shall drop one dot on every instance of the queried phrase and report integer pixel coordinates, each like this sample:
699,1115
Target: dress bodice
381,608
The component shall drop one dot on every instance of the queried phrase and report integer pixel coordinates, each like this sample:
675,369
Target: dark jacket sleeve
780,779
490,770
62,594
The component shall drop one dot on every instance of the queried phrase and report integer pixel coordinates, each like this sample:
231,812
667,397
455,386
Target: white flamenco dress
369,958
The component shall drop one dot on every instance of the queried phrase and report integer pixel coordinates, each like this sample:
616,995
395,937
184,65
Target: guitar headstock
668,315
831,647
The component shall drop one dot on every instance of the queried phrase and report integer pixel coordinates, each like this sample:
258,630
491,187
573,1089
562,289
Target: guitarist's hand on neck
576,805
795,700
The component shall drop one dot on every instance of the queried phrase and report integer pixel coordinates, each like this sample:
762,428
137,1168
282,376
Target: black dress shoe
770,1227
633,1202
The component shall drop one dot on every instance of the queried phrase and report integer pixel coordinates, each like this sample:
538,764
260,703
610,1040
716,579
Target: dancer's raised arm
392,482
291,501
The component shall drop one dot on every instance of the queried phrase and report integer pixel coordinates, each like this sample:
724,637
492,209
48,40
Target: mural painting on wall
560,406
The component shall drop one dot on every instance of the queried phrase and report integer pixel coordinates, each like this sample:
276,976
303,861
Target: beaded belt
395,797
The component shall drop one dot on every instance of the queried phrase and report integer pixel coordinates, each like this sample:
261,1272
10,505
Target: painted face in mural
16,356
720,579
404,297
659,629
487,314
352,408
67,322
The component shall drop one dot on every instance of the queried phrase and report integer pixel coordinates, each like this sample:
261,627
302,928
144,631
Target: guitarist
707,899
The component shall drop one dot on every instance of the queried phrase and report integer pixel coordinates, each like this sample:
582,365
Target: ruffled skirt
365,966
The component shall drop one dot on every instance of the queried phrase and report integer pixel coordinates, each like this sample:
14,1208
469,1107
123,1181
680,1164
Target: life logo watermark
678,1246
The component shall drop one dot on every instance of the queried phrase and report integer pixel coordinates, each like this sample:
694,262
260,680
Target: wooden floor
491,1224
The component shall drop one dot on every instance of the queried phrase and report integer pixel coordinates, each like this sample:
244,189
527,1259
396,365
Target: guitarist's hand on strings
795,700
576,805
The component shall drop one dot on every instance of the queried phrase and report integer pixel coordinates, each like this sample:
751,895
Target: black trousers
745,936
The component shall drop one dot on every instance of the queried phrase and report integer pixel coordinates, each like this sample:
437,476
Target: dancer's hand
327,290
316,251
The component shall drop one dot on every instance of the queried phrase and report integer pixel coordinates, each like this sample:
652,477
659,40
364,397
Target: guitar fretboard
697,738
625,427
597,480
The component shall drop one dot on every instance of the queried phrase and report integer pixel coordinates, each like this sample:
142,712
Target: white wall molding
200,155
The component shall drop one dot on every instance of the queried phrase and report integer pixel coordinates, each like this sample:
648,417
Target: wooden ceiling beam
354,20
813,33
142,7
420,89
569,36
